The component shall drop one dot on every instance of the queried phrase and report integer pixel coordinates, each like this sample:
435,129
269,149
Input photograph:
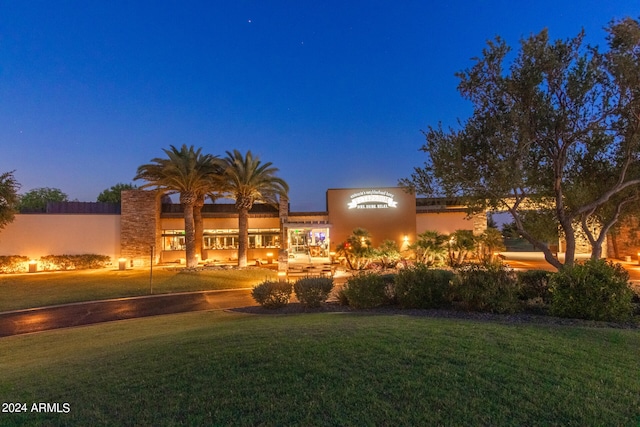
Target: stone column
140,227
283,252
479,223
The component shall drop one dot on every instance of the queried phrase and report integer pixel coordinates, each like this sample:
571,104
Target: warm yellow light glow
282,273
122,263
406,238
269,254
33,266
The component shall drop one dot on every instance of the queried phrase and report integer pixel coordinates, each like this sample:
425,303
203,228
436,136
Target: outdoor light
270,257
122,263
33,266
406,238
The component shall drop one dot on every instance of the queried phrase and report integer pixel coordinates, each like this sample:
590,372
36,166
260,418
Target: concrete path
64,316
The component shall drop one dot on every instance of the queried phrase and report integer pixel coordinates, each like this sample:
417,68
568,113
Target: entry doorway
309,245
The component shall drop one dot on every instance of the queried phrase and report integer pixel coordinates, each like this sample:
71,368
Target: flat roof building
144,221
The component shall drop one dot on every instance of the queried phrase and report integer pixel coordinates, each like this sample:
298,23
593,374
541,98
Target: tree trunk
198,227
570,243
243,231
189,236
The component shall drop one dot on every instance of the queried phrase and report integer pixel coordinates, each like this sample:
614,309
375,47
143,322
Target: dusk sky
334,93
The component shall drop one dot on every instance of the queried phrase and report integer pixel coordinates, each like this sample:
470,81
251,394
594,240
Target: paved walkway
64,316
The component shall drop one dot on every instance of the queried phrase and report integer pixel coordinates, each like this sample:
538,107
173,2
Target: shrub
313,291
421,287
74,262
595,290
534,284
488,288
272,294
367,290
13,264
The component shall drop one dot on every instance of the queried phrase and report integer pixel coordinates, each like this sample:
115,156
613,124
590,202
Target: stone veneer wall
283,253
140,227
479,223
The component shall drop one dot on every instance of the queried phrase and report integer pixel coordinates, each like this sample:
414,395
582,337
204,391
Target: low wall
223,255
37,235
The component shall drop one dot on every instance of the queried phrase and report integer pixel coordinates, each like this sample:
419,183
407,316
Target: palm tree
247,180
191,174
357,249
430,247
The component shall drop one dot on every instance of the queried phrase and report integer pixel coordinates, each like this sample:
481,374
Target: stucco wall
444,222
383,221
37,235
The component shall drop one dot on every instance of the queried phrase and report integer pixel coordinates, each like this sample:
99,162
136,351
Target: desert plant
460,244
486,287
489,242
367,290
357,249
430,248
595,290
388,254
272,294
421,287
313,291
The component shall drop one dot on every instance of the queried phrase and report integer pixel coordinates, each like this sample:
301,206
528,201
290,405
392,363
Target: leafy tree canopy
36,200
112,195
555,132
8,197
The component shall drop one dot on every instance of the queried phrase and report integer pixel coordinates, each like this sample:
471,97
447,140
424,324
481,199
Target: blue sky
334,93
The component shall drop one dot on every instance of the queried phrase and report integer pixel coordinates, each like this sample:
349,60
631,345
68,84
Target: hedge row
20,264
595,290
310,291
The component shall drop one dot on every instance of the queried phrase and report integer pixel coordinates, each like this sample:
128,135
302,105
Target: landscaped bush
13,264
313,291
534,284
421,287
74,262
272,294
488,288
595,290
367,290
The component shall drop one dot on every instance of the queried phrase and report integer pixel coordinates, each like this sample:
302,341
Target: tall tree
113,194
191,174
8,198
247,180
36,200
556,132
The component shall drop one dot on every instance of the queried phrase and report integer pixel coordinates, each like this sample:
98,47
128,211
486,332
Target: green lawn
218,368
19,291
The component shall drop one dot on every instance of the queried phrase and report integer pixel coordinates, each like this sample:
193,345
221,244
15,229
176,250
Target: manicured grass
216,368
18,291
